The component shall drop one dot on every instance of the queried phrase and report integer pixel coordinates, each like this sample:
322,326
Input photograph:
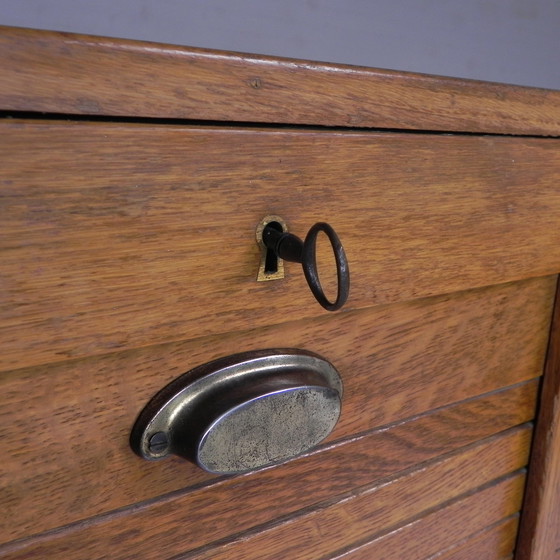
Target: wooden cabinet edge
539,529
54,72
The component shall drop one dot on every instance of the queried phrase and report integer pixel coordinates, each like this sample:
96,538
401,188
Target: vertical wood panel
539,536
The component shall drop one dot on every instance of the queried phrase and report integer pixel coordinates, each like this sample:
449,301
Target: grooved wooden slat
194,518
319,533
445,526
396,362
67,73
539,537
494,543
120,236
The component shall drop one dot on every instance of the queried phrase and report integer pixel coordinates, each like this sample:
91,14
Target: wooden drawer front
120,236
434,388
129,257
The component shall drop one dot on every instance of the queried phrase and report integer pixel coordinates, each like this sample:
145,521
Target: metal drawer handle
242,412
289,247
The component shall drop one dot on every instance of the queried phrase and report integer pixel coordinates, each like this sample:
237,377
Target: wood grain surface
443,527
386,505
539,537
120,236
494,543
396,362
76,74
128,256
350,474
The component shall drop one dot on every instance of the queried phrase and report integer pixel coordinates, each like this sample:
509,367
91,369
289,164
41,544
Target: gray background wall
514,41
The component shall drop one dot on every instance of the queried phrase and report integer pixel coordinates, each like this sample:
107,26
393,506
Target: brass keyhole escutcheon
271,267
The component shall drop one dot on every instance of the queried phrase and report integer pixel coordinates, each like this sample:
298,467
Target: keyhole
271,260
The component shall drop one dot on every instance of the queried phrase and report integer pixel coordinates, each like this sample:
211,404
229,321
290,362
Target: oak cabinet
133,178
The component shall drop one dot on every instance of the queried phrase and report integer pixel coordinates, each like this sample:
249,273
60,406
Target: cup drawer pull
242,412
